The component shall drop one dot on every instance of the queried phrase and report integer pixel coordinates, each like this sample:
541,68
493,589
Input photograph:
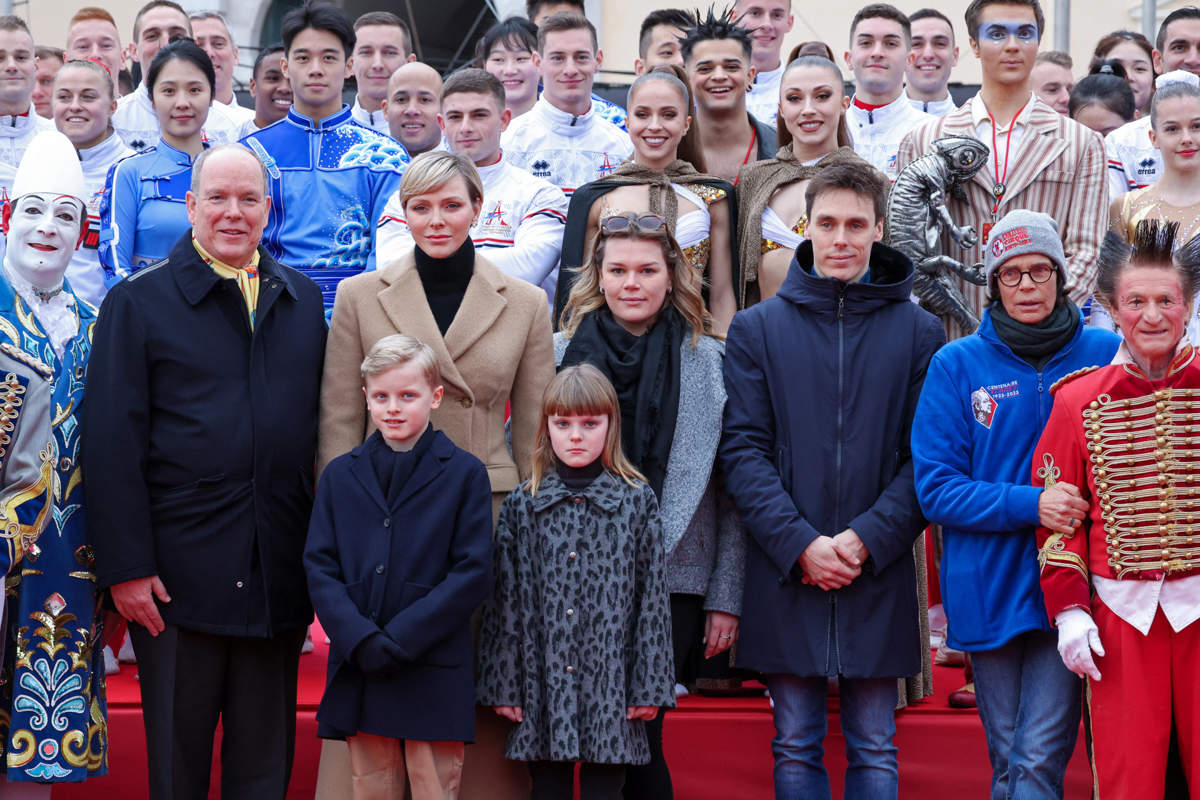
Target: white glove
1078,637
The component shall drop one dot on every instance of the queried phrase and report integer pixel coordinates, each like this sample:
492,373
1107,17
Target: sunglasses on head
647,223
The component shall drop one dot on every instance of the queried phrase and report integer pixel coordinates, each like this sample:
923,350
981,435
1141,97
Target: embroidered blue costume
330,180
143,211
57,729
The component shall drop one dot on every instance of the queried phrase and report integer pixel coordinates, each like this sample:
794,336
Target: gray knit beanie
1021,232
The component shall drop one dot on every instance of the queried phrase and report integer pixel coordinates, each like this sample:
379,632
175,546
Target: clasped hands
832,562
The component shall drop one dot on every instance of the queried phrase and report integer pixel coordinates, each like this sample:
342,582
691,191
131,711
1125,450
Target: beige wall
48,18
1090,19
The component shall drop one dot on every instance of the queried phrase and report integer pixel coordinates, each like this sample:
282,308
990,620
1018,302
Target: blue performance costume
324,225
57,730
143,212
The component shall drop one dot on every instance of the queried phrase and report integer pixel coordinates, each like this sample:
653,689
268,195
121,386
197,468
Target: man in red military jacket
1125,584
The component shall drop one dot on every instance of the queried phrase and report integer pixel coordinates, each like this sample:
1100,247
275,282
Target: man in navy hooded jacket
823,381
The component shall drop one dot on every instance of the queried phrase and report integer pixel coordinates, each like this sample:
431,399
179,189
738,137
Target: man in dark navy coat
199,441
823,381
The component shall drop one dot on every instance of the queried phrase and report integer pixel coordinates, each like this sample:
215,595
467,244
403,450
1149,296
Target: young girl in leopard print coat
576,644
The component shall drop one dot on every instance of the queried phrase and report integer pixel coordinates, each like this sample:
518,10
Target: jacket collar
426,470
890,274
987,332
562,122
898,109
196,279
403,300
320,125
173,155
605,491
108,150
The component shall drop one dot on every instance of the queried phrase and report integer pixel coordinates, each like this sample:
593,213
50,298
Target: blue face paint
997,32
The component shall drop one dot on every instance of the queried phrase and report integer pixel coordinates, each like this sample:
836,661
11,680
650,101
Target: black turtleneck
577,478
445,281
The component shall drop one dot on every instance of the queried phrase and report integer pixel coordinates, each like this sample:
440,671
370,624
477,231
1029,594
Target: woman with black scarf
985,401
636,312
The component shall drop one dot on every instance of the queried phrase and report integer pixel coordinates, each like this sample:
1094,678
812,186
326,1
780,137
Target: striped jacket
1058,168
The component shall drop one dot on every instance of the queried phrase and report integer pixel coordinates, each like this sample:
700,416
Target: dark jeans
653,781
192,680
555,780
1029,704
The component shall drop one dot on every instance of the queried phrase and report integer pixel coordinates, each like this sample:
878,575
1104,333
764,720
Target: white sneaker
680,690
308,645
126,655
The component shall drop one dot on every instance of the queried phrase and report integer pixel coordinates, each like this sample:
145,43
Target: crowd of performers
548,406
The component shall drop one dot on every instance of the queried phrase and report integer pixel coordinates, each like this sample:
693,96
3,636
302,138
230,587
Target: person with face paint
56,613
18,121
83,102
1121,584
1039,160
934,55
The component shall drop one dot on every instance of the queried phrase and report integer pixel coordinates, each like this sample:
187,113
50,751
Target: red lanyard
749,150
999,189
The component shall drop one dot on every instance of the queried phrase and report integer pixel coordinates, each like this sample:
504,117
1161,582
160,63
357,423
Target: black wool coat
823,381
199,438
415,571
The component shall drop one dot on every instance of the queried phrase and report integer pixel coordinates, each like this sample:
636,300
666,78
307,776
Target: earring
601,290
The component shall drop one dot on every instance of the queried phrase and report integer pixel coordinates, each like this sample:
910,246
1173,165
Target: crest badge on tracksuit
983,405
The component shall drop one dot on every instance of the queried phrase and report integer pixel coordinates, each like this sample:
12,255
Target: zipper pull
841,304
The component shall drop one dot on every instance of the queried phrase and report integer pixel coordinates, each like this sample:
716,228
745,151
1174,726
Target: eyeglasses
647,223
1013,276
1000,31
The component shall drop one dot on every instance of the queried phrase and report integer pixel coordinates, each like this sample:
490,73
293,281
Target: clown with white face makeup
43,324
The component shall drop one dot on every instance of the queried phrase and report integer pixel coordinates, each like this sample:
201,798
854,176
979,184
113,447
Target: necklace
999,189
46,295
749,150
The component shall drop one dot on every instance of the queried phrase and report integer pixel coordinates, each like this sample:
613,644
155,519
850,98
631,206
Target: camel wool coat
498,349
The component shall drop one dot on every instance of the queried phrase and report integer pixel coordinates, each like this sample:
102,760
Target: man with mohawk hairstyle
1123,585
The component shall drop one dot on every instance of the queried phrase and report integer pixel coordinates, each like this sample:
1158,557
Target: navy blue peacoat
414,571
823,381
199,437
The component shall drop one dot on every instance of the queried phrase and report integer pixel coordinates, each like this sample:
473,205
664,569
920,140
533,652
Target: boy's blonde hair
392,351
581,390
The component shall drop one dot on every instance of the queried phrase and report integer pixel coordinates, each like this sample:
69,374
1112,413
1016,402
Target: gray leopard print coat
578,624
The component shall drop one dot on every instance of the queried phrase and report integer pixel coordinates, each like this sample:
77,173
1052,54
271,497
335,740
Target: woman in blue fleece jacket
985,401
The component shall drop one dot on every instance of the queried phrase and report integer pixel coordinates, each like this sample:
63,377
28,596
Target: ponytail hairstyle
676,78
577,391
1105,89
843,131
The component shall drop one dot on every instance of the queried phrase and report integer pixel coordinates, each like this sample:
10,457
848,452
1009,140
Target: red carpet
718,748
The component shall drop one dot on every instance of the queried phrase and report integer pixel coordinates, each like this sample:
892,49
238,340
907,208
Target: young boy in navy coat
399,555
